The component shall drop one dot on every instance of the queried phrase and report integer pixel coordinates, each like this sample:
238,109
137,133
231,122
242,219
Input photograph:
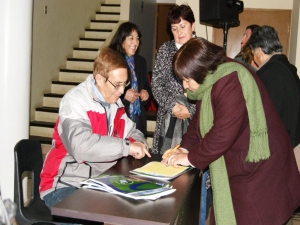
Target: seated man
92,131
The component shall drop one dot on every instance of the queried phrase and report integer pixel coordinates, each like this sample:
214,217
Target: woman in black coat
126,41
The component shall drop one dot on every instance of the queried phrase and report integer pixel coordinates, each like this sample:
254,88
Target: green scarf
258,147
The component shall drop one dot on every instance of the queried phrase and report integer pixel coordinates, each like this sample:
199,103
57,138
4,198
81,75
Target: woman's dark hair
123,31
266,38
196,58
252,27
178,12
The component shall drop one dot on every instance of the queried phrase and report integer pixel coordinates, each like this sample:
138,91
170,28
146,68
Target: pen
170,152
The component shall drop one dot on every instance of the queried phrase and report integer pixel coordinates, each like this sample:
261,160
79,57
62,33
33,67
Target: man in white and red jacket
92,131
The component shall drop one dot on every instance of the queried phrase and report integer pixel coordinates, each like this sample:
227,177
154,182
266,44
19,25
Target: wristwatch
127,142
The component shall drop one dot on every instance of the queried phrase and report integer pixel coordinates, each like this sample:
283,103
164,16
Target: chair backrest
28,158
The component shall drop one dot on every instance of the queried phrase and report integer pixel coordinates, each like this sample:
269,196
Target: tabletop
180,207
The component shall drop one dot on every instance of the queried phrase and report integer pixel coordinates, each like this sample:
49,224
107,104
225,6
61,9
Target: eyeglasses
125,84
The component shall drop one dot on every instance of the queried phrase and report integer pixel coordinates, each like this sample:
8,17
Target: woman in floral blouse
174,111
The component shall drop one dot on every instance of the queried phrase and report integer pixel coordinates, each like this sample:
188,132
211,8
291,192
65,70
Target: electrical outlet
45,9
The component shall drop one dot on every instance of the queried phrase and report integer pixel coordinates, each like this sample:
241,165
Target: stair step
110,8
108,13
48,109
43,140
103,24
107,16
105,21
97,33
52,100
151,125
62,87
74,75
111,5
99,30
36,123
46,114
41,128
113,1
80,64
53,95
80,60
86,53
91,43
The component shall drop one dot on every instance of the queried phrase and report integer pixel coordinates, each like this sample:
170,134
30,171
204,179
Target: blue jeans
59,194
56,196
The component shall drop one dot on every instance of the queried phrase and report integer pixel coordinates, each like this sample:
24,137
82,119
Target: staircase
77,69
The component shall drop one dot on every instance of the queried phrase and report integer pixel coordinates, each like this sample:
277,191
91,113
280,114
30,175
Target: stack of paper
128,186
158,170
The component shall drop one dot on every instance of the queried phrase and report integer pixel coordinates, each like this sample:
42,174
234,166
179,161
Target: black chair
28,158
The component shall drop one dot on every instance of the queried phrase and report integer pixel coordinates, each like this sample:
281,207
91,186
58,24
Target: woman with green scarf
237,132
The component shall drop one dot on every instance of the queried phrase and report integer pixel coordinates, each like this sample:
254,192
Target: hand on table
138,150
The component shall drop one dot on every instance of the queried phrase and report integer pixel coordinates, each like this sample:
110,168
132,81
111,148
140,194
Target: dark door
162,33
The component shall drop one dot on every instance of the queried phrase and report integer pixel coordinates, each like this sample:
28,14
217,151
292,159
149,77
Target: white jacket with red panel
85,144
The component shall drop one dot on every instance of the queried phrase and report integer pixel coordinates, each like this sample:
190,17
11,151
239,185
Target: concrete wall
54,36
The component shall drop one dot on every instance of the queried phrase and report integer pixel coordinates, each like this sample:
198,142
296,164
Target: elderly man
92,131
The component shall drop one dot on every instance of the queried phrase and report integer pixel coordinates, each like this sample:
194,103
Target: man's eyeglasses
125,84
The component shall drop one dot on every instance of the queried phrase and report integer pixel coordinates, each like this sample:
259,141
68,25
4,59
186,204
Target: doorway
163,32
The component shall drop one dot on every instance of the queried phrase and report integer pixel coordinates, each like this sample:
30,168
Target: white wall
15,45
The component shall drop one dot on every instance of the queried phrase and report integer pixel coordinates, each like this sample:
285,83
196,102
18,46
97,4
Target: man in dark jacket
279,77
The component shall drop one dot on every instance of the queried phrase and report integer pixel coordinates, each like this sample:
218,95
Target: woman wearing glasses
92,131
126,41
